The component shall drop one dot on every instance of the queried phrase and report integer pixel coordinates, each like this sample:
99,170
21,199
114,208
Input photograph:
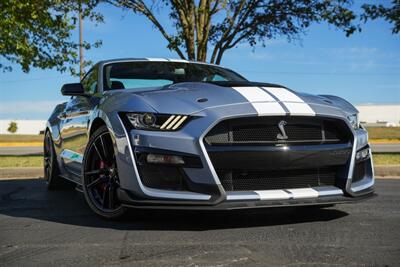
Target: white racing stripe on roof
179,60
157,59
262,102
292,102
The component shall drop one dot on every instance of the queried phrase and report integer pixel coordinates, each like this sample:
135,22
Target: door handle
62,115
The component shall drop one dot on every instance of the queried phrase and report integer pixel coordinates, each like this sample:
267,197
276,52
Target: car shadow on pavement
29,198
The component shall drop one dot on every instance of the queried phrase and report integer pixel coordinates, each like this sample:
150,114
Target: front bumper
208,192
128,201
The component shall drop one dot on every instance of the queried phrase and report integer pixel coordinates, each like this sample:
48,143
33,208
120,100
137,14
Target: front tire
100,179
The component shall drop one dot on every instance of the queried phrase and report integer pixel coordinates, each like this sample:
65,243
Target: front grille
254,133
282,179
265,131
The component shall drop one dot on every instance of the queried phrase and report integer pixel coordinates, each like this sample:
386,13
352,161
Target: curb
381,171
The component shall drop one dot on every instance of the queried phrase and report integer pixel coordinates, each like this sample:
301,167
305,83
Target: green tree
13,127
389,13
223,24
37,33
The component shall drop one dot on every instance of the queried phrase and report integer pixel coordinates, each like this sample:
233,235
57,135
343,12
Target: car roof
116,60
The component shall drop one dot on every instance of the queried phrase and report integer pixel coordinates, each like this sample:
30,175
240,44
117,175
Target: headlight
353,119
160,122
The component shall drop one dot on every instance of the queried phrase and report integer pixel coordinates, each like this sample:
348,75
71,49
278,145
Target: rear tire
51,170
100,176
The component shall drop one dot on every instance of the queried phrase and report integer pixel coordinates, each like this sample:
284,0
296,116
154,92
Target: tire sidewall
108,215
52,177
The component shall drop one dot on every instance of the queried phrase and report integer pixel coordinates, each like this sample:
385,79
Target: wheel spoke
100,174
93,172
98,152
106,155
96,182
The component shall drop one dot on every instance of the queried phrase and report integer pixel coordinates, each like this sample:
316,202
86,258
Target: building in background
379,115
370,115
23,126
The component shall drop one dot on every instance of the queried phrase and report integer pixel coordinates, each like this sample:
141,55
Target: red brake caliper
102,186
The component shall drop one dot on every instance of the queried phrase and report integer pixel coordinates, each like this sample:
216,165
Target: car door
74,126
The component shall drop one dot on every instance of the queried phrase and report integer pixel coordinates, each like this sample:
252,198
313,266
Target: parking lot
39,228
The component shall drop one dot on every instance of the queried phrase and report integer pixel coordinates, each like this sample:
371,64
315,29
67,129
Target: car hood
192,98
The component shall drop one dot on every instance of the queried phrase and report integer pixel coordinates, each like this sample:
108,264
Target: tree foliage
13,127
223,24
37,33
390,14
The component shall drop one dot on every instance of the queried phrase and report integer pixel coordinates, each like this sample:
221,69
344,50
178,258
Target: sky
363,68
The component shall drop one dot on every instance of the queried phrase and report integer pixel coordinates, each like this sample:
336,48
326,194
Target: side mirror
72,89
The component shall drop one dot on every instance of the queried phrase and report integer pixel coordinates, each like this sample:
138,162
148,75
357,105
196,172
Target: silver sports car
160,133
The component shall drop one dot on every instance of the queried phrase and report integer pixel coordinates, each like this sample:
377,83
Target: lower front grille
359,171
282,179
163,177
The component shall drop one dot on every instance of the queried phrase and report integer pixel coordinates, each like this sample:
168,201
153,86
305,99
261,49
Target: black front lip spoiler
251,204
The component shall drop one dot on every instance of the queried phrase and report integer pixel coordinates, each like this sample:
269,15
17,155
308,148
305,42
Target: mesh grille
269,133
263,180
359,171
265,130
162,177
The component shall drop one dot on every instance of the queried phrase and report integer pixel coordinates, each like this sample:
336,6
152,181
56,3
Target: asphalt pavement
386,148
40,228
21,151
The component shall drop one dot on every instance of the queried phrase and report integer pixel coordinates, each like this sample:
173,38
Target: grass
386,159
11,138
37,161
391,133
21,161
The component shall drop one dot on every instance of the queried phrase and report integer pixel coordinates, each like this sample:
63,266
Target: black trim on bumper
231,205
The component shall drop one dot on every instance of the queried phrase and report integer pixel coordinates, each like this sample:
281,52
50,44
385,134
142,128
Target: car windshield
147,74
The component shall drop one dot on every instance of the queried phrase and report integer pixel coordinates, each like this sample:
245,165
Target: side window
218,77
214,78
89,82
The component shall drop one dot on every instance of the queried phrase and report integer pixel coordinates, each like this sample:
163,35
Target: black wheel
51,171
100,176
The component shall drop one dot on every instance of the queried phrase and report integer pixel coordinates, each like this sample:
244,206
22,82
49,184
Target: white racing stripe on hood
269,108
262,102
293,103
283,94
254,94
299,109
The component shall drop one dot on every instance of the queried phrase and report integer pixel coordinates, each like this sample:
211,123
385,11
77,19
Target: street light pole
81,70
